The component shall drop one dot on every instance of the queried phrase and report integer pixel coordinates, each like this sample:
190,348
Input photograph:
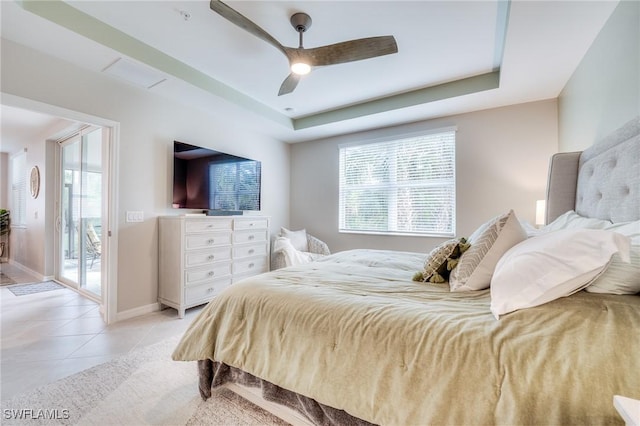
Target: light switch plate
135,216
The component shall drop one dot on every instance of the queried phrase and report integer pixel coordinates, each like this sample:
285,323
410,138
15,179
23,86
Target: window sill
398,234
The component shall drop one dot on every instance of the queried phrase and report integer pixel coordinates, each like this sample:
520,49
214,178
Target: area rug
24,289
5,279
144,387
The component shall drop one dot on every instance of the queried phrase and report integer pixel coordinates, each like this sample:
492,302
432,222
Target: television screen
212,180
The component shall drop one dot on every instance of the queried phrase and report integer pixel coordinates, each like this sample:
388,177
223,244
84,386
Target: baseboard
136,312
30,271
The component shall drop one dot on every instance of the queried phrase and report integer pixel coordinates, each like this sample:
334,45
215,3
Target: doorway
53,195
80,217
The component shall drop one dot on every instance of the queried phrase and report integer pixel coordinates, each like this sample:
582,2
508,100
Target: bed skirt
213,374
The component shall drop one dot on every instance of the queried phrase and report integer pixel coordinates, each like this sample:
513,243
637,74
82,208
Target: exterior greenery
5,221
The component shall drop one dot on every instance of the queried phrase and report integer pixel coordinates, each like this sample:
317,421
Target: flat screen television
214,181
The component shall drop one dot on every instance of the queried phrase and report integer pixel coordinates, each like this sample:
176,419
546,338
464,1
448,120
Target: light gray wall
149,124
604,91
502,158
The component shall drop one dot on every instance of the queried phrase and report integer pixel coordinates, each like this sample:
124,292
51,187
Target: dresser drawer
204,225
256,265
249,250
242,224
206,273
205,292
241,237
212,239
205,257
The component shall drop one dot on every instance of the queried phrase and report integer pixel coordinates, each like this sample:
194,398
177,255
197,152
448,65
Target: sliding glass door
81,207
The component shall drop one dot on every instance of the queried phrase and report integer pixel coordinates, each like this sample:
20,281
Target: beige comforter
352,331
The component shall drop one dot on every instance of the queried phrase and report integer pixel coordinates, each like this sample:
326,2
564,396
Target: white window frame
18,207
392,189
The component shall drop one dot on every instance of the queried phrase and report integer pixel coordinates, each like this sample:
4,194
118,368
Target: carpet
24,289
5,279
144,387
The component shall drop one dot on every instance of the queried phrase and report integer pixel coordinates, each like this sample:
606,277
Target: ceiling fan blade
289,84
243,22
353,50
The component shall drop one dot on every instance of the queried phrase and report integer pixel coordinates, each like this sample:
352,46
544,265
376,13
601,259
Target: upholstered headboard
602,182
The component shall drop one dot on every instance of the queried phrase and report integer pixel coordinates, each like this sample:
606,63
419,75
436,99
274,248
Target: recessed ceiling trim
79,22
451,89
61,13
502,22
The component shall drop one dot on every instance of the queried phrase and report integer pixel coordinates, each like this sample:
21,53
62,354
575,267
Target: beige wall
604,91
149,124
501,158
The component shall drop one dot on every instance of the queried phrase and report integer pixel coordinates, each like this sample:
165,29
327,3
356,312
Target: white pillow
530,229
552,265
298,238
619,277
572,220
488,243
628,229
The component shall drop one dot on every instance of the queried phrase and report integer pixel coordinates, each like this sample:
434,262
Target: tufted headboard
602,182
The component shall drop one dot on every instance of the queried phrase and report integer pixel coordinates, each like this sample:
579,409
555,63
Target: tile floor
47,336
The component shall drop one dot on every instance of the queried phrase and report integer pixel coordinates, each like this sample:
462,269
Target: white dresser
199,256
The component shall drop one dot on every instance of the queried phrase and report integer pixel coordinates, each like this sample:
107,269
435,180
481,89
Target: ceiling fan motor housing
301,22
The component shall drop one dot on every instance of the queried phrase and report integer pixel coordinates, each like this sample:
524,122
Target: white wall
148,126
502,158
604,91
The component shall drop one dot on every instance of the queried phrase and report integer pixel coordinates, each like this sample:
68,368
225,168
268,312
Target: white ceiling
19,125
535,45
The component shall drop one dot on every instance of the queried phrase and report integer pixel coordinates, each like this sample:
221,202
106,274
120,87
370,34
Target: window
404,186
19,189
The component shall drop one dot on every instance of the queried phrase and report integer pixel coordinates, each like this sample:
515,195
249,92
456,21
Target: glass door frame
80,283
108,285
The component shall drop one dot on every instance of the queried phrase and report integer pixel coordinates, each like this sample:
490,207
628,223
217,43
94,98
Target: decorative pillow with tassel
441,261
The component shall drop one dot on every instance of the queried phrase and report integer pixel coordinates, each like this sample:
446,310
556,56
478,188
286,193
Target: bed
352,339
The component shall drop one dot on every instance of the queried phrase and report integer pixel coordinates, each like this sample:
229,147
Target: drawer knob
251,265
210,290
211,273
251,237
210,241
251,224
211,257
251,251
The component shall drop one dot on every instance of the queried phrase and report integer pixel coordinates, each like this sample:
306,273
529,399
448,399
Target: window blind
404,186
19,189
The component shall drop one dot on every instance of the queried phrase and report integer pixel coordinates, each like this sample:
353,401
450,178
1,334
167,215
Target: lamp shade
541,206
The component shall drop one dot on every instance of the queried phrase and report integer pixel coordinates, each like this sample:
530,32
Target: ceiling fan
301,59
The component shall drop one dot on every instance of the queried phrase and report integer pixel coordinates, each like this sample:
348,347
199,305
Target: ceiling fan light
300,68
